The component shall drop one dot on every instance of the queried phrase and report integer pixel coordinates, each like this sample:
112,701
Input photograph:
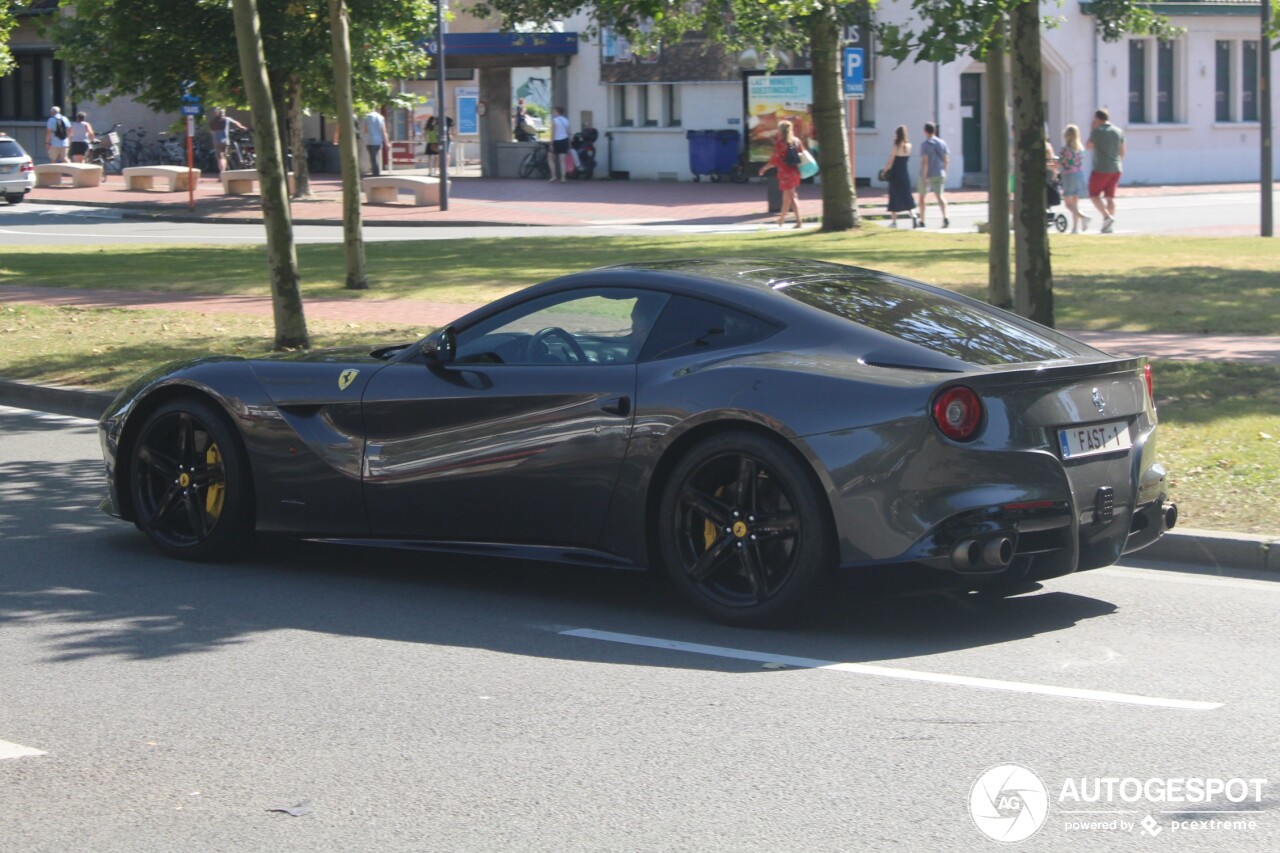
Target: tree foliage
7,24
119,49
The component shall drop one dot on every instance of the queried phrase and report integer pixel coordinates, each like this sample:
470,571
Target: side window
590,326
689,326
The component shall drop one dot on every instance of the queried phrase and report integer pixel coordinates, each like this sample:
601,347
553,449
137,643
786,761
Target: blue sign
854,85
191,105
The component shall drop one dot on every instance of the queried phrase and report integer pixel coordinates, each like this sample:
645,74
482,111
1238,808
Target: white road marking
17,750
892,672
1186,577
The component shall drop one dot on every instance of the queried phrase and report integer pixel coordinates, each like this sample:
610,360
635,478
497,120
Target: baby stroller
583,145
1053,197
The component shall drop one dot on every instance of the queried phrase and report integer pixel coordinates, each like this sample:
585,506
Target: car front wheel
189,482
744,532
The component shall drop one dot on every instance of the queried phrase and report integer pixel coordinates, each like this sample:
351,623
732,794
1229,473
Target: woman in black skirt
901,199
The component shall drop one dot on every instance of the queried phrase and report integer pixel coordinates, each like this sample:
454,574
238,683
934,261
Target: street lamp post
442,123
1264,116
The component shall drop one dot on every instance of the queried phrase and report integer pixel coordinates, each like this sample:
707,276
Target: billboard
771,98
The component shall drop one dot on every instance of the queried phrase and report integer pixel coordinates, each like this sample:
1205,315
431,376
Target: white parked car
17,172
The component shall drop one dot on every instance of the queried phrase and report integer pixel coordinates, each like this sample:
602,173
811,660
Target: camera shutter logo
1008,803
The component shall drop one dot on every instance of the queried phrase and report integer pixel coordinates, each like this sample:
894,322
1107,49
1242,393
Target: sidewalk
512,201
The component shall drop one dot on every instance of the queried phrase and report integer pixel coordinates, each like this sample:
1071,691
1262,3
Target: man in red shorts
1106,141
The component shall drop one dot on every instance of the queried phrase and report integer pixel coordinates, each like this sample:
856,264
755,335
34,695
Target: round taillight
958,413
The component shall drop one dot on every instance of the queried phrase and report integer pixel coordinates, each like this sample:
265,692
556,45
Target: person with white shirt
559,144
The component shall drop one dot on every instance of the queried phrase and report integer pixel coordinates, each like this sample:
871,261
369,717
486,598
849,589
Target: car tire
744,531
190,483
14,198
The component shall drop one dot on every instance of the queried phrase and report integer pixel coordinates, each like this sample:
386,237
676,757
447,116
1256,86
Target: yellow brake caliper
709,529
217,492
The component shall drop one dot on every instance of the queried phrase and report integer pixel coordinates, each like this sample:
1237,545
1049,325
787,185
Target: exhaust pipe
966,555
1170,515
993,553
998,552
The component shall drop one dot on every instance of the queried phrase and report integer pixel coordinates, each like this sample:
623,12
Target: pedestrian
897,173
1106,141
375,138
1071,171
935,159
523,126
559,144
80,134
220,127
786,159
56,130
432,132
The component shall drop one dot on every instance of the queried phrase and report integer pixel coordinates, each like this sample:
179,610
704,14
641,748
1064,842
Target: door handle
617,406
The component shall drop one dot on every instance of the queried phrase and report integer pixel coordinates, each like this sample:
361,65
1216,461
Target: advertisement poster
467,97
772,98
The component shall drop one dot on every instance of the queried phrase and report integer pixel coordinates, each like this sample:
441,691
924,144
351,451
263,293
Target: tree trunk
999,292
282,256
352,229
298,145
839,203
1033,288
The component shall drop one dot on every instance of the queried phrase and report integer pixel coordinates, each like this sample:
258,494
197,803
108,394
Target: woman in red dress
788,174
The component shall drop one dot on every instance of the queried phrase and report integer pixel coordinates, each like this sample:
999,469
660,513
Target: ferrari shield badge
346,378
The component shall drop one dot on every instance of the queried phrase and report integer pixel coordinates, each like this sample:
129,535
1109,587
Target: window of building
1164,82
623,115
1235,74
671,106
866,107
645,116
37,82
1154,85
1137,82
1248,81
1222,81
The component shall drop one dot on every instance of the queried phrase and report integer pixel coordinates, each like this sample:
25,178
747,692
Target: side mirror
441,346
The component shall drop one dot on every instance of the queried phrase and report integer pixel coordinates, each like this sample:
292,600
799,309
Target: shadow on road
98,588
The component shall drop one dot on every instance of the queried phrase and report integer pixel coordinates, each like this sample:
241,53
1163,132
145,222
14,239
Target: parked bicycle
240,150
537,162
105,152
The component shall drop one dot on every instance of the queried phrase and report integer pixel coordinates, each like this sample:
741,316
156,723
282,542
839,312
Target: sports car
752,426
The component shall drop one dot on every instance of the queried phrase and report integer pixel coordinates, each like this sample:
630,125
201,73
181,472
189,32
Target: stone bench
386,188
241,181
81,174
144,177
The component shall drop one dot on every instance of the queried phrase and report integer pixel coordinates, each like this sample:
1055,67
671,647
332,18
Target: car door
519,438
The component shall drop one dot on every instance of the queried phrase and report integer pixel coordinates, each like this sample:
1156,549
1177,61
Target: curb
59,400
1222,551
1234,551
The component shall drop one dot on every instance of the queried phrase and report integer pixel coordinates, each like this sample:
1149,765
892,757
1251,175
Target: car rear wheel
744,533
190,483
14,198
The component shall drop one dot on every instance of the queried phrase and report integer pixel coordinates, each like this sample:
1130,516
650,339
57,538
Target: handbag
883,175
808,165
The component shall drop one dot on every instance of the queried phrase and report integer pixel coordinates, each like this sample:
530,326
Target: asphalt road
1203,214
424,703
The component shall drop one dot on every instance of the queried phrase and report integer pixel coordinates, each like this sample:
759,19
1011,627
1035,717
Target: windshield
971,333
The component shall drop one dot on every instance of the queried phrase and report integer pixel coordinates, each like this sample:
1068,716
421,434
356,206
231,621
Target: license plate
8,170
1091,439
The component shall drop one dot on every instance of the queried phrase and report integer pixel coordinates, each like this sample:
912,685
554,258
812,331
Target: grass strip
1139,284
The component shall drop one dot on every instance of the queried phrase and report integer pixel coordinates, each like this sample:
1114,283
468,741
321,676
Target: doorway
971,124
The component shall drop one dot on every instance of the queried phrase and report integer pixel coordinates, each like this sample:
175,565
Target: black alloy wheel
744,533
190,486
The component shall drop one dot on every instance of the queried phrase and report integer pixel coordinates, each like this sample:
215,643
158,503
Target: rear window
9,148
932,320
